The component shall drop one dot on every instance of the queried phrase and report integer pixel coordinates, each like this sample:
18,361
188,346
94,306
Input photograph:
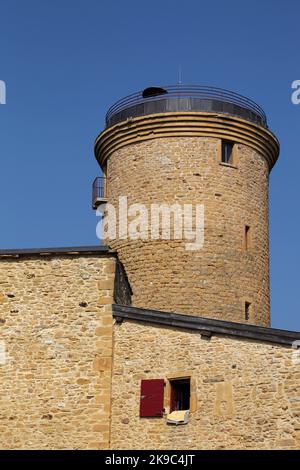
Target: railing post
187,91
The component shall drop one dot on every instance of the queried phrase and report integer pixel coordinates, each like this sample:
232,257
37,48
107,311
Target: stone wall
58,347
244,394
56,351
216,280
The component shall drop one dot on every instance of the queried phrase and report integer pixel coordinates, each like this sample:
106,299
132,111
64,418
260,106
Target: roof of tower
174,98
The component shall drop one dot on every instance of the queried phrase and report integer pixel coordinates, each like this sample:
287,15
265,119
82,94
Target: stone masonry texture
218,279
244,394
70,375
56,352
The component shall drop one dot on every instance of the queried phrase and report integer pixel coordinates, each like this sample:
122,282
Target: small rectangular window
247,310
104,171
227,152
180,394
247,237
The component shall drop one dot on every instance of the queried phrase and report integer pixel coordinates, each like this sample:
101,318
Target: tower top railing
185,98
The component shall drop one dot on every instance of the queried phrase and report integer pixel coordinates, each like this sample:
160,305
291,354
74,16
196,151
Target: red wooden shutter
152,398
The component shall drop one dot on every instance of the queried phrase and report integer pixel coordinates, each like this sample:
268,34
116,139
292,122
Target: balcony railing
99,191
185,98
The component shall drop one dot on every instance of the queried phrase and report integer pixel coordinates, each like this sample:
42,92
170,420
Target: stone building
152,341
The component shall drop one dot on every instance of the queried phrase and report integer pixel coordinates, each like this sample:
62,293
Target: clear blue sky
65,62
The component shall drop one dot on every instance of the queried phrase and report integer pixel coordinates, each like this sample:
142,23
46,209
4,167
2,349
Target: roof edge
206,325
68,250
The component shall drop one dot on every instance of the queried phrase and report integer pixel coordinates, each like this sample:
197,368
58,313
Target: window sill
178,417
228,165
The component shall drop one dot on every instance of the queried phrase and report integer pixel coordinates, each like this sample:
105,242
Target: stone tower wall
185,168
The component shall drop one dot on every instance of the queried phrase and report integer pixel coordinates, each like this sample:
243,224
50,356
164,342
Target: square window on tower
227,152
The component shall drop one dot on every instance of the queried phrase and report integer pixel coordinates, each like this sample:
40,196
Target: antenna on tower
179,75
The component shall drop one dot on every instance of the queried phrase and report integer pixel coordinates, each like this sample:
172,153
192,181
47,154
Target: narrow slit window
247,310
247,240
227,152
104,176
180,394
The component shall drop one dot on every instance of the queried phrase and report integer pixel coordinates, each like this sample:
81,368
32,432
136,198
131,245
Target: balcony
187,98
99,192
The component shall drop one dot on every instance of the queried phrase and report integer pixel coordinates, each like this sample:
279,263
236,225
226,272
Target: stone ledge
187,124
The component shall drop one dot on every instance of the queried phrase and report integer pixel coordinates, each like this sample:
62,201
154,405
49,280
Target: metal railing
98,191
197,92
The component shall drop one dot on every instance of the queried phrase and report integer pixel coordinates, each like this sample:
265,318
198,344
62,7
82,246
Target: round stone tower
192,146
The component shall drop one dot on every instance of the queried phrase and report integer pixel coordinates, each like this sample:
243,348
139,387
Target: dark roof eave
207,325
69,250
